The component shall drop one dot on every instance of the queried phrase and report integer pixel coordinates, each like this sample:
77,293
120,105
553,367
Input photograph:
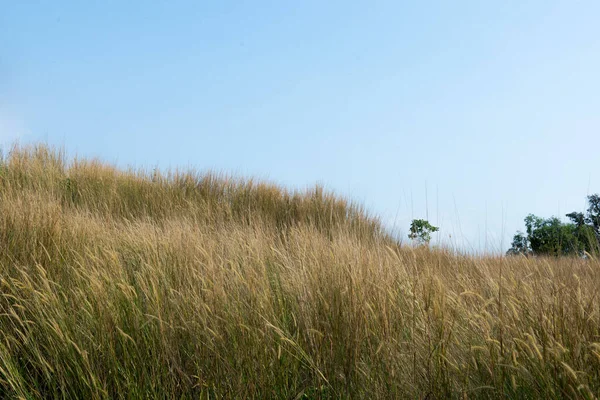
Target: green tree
421,230
593,213
552,237
585,232
520,245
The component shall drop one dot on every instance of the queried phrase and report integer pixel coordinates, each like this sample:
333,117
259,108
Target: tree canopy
551,236
421,230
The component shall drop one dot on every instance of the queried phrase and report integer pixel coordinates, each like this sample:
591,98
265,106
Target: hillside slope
117,284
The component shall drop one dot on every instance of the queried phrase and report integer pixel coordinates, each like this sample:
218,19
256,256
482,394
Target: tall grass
129,284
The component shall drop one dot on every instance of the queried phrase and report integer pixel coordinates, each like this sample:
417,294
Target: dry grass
146,285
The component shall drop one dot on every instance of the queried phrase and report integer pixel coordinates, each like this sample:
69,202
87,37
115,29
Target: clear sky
470,113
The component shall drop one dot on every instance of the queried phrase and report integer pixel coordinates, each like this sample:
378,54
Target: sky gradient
472,114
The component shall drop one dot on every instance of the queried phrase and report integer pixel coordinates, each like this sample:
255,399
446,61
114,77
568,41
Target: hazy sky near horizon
470,113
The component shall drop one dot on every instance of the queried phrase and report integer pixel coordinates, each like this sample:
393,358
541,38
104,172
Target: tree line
580,236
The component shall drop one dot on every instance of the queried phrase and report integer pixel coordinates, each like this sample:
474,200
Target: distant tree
577,217
421,230
585,232
552,237
593,213
520,245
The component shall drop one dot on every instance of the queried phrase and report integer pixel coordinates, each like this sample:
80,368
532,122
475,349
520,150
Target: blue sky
470,113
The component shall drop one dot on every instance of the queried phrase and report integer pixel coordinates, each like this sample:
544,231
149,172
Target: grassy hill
128,284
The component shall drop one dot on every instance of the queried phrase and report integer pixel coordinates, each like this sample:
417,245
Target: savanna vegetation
552,237
139,284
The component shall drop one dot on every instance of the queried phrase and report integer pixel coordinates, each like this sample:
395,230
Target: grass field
129,284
